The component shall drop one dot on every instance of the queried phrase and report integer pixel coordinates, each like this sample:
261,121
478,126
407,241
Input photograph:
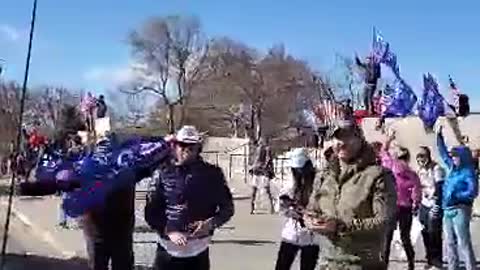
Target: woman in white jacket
295,236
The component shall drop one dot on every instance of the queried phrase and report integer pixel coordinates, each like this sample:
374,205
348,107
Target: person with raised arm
459,191
372,71
409,194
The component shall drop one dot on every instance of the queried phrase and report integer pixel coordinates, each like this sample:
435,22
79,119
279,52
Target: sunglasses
185,145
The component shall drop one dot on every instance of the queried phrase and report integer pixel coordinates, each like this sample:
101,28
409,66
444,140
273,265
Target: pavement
247,242
25,250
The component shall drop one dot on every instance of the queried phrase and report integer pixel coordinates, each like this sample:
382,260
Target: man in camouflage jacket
351,205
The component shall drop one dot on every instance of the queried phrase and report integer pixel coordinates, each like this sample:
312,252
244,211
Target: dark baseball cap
345,128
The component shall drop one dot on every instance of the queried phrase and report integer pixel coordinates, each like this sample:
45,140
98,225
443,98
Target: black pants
109,232
404,220
118,250
165,261
368,93
287,253
432,236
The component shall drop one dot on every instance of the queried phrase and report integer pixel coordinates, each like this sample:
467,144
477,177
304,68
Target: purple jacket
407,181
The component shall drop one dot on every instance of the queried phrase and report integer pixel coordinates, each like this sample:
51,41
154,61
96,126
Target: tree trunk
250,127
258,124
170,119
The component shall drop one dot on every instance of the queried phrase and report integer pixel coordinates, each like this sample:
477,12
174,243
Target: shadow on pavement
462,267
243,242
21,262
30,262
31,198
242,198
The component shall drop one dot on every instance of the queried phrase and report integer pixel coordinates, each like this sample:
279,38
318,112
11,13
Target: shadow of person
243,242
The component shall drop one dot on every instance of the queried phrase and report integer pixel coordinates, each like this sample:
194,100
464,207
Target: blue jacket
461,183
188,193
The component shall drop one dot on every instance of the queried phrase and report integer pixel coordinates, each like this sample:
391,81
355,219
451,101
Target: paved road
25,251
246,243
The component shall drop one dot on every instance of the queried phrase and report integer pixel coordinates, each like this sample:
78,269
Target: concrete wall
230,154
410,132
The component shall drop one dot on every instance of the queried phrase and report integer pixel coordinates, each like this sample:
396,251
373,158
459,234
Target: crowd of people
341,213
367,190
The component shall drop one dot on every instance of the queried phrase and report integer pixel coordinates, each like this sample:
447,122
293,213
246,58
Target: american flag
88,103
384,100
329,112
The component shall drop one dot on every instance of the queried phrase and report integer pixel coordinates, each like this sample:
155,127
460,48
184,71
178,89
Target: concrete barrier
411,134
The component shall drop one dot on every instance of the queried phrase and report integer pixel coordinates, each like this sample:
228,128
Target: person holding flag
461,105
372,71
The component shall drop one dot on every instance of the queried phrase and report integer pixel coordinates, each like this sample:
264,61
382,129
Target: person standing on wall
372,71
101,107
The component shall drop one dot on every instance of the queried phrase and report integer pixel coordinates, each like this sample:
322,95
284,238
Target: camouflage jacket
361,195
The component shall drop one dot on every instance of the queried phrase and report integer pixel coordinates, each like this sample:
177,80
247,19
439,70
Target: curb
42,234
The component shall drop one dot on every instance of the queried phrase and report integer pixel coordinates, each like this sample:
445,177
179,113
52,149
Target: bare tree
136,109
345,78
45,105
171,51
257,91
9,108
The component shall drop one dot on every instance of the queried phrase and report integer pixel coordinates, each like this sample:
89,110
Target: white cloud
111,76
11,33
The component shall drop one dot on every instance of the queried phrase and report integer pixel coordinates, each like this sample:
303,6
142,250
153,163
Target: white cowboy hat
189,135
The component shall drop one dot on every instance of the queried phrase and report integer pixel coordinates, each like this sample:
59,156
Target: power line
19,136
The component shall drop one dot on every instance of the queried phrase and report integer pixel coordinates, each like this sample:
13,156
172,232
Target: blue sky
82,43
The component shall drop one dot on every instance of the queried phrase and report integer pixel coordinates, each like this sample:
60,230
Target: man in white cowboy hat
188,205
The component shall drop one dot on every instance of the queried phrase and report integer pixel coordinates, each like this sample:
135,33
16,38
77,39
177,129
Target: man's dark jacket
184,194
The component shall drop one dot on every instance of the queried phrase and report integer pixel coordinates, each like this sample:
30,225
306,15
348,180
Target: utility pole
19,136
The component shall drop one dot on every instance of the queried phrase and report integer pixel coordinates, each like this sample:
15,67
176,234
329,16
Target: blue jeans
456,222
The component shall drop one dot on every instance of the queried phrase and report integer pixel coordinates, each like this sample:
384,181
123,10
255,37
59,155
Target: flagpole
373,36
19,136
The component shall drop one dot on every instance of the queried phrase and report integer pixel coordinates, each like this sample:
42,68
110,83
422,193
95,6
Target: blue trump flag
399,100
431,107
382,52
